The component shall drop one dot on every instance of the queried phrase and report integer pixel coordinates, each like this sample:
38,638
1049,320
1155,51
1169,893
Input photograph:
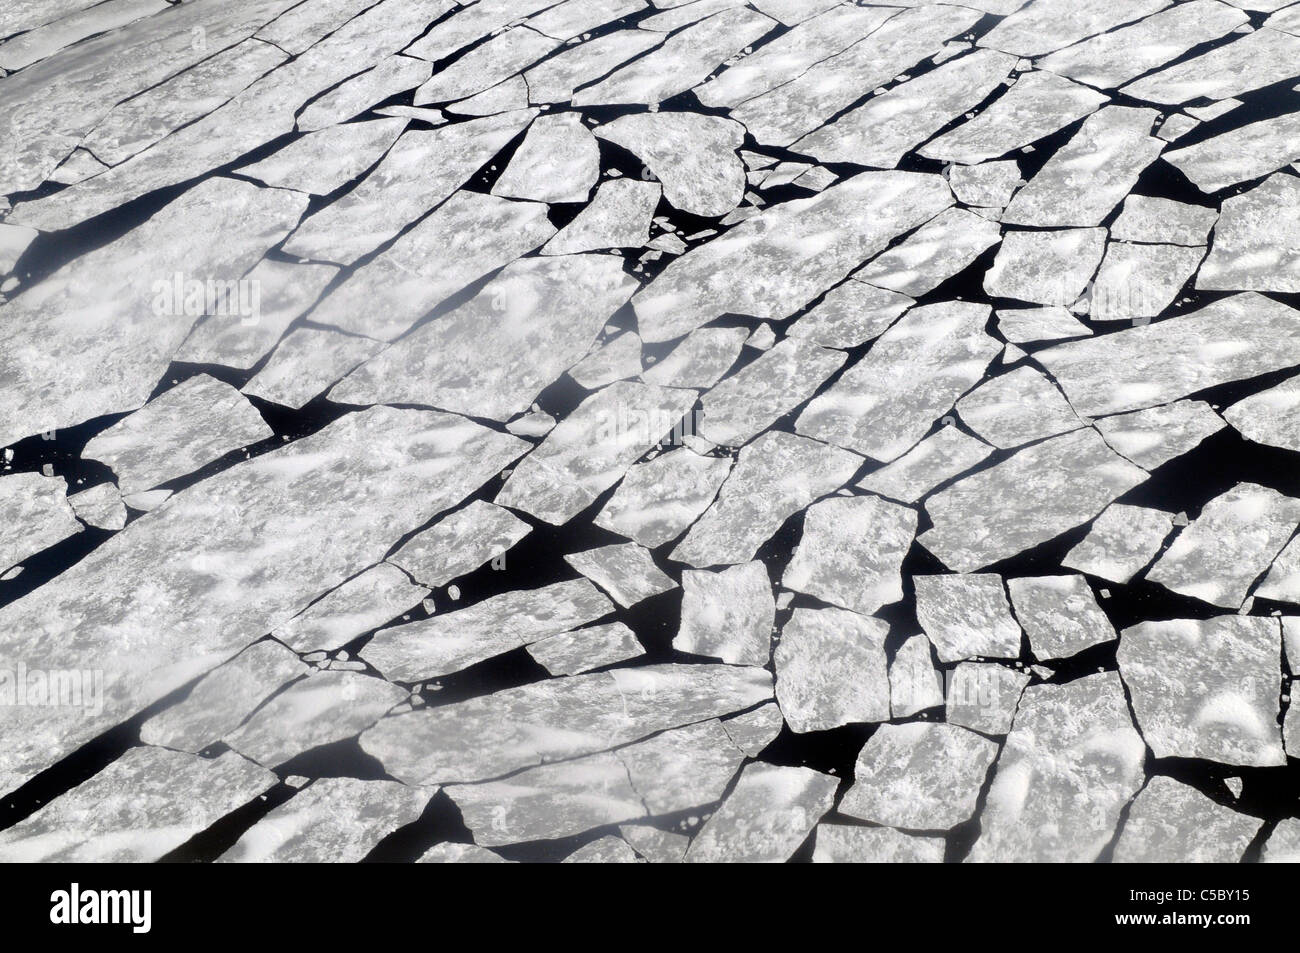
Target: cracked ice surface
616,431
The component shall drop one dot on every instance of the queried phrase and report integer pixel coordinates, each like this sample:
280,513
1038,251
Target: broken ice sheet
684,60
753,731
1045,267
284,292
1016,408
144,804
1120,542
1258,59
192,424
321,162
573,17
1246,152
1037,105
451,641
497,58
392,75
494,354
59,344
693,155
1225,549
258,115
1207,688
1059,614
422,169
554,79
100,506
936,459
850,314
1031,325
831,670
318,710
1068,767
787,56
459,543
700,359
1155,436
752,399
617,217
1257,240
1232,339
783,114
1035,495
1174,823
655,845
1111,148
933,253
625,570
1117,56
332,820
571,653
592,448
506,95
1270,416
682,768
727,614
775,476
37,515
1140,281
556,719
1149,219
1047,25
658,499
142,120
919,776
221,701
362,603
882,405
306,363
469,236
966,616
845,844
776,262
617,359
44,41
885,128
983,696
558,161
766,817
851,552
989,184
670,772
914,684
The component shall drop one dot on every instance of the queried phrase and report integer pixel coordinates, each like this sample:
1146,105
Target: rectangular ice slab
1035,495
451,641
496,734
1234,339
1207,688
